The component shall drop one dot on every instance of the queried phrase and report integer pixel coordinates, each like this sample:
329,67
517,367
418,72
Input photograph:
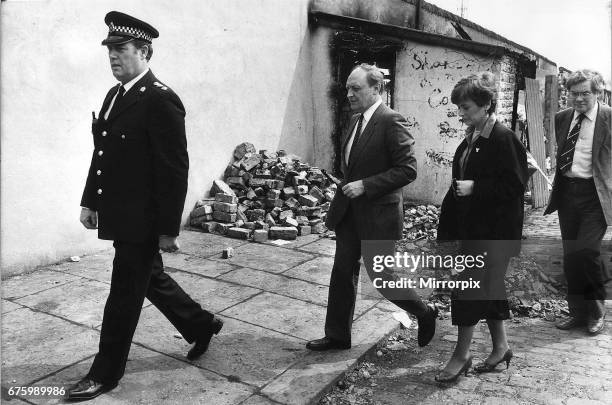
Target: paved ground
273,300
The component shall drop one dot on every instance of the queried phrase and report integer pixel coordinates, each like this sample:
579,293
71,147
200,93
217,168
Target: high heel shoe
487,368
464,369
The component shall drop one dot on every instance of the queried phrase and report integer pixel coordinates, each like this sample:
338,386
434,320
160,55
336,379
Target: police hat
123,28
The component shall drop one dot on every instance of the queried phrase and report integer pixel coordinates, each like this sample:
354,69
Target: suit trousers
138,272
345,280
583,226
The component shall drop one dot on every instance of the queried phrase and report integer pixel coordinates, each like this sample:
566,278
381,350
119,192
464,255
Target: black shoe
201,343
445,378
570,322
427,326
326,343
487,368
596,326
87,389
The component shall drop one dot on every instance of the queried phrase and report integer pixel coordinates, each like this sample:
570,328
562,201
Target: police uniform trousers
138,272
345,278
583,226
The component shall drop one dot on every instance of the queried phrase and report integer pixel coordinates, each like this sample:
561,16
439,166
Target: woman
483,209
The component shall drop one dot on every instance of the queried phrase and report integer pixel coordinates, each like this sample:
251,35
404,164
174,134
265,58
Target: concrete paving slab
97,266
156,332
205,244
324,246
251,354
258,400
266,257
305,381
36,344
195,264
287,315
213,295
26,284
153,378
370,327
89,294
8,306
301,241
279,284
317,270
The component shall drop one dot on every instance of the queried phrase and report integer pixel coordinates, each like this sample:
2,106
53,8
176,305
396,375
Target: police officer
134,196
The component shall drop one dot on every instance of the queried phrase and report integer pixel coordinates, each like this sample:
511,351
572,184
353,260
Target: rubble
267,192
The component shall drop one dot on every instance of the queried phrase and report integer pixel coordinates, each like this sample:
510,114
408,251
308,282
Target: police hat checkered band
129,31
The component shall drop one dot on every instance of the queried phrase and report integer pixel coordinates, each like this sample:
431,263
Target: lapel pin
143,88
477,149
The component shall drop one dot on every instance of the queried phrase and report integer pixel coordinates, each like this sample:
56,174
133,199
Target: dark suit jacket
494,211
137,180
384,159
602,160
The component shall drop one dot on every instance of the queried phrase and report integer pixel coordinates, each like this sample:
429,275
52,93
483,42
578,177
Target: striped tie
567,157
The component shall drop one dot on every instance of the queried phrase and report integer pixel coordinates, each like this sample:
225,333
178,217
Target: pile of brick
266,195
421,222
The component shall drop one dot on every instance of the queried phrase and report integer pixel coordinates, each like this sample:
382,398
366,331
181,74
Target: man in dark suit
377,161
134,195
582,193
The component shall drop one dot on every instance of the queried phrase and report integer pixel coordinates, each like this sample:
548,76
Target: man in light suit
134,196
377,161
582,194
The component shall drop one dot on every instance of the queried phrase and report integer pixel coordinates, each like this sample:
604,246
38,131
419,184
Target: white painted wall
242,69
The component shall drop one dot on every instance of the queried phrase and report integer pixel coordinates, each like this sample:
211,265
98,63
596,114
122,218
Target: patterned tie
567,156
356,139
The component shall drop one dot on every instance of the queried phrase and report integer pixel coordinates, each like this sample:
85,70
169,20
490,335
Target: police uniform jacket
137,180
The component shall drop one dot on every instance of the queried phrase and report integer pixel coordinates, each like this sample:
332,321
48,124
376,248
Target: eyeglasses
576,94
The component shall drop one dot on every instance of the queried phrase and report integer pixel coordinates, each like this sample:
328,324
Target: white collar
132,82
591,114
370,111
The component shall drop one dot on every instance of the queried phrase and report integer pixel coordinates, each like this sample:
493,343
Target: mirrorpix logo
410,262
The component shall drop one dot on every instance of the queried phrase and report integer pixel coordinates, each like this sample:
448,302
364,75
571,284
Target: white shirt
127,88
367,115
582,164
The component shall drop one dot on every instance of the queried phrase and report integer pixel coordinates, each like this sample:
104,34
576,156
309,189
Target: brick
275,184
246,176
289,221
274,194
198,221
222,228
225,207
302,220
249,163
271,203
301,189
257,182
315,221
308,200
263,174
286,214
237,182
249,225
201,211
240,216
239,233
227,253
239,223
319,228
282,232
241,150
260,235
269,220
262,225
224,216
219,186
288,192
275,212
255,215
292,203
209,227
304,230
311,211
316,193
